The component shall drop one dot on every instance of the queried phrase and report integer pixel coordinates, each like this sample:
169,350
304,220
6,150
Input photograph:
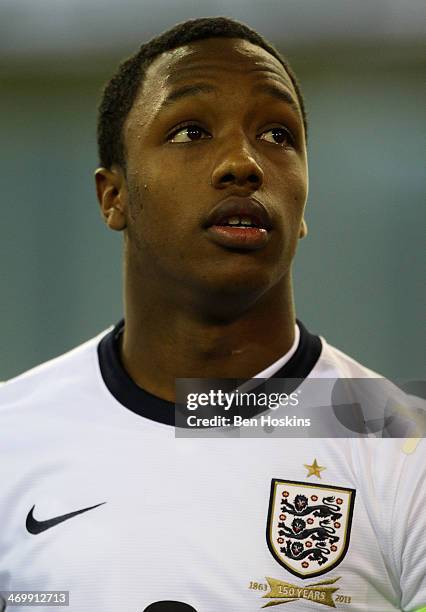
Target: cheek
161,225
297,184
173,201
293,192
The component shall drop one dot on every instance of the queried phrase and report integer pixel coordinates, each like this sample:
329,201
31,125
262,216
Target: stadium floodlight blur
56,29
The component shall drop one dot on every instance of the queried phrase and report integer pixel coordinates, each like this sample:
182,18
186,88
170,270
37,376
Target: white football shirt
98,497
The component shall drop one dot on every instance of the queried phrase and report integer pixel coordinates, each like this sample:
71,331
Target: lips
239,207
239,223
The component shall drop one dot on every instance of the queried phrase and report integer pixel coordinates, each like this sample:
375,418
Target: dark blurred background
359,275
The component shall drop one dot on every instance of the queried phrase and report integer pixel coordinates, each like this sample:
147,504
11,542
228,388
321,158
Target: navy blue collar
136,399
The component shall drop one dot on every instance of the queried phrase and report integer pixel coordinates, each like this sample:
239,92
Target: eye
188,133
277,135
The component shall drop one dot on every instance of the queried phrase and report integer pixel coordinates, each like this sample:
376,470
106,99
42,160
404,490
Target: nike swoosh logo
34,526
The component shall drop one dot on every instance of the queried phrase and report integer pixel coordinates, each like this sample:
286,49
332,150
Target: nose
237,167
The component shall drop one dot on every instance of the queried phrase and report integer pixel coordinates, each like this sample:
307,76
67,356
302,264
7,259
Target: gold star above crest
314,469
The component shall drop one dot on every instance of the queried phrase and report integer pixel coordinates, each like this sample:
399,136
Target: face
215,138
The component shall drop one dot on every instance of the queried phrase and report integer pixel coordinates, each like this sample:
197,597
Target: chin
227,289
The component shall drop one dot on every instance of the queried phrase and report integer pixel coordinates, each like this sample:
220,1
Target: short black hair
121,90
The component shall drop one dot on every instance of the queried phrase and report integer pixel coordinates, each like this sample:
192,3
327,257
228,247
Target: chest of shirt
224,524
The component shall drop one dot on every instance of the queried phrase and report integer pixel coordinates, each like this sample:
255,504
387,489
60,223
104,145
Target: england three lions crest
309,526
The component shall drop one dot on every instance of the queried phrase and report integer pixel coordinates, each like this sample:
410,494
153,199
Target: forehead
216,62
207,56
214,58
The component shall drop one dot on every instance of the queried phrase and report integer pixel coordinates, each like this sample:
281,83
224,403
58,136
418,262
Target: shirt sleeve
408,525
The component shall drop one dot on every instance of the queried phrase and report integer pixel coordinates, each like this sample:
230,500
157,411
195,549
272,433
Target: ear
303,229
111,190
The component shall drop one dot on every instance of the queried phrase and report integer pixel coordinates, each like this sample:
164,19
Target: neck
163,341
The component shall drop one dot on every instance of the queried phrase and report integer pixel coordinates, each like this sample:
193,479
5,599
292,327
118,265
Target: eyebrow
279,94
187,91
192,90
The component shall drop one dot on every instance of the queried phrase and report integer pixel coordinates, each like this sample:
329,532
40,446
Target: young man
202,143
